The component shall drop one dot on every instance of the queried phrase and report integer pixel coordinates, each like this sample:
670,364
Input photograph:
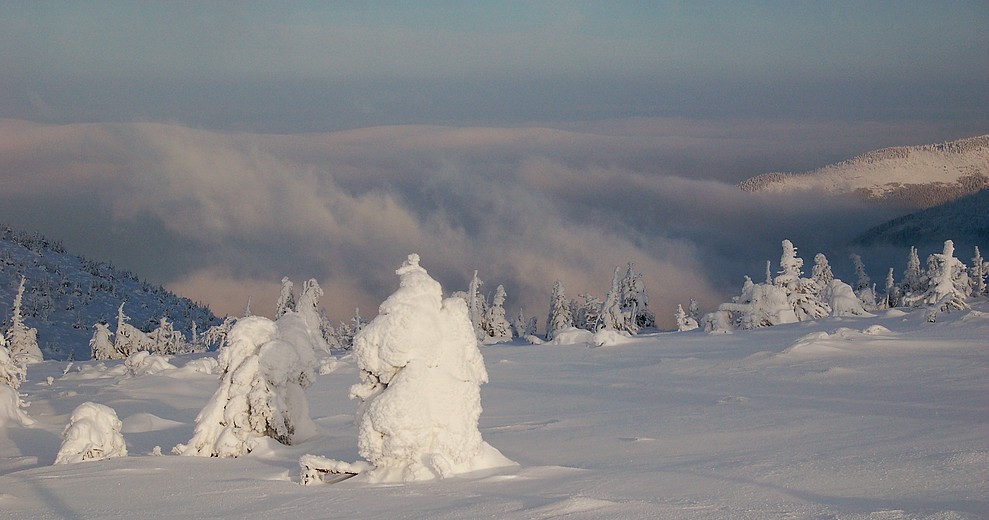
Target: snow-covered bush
93,433
760,305
145,363
101,345
684,321
948,283
842,299
266,367
496,325
421,373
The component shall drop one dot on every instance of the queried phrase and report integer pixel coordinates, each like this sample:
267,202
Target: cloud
223,216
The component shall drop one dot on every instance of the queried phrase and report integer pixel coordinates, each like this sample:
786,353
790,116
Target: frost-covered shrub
842,299
144,363
266,367
93,433
421,373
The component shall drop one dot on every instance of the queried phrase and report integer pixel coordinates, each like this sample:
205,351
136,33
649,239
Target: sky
215,147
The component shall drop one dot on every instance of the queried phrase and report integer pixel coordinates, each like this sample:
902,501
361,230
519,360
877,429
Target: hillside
916,176
66,294
965,220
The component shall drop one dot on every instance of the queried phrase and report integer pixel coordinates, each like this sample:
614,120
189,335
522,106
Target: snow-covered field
873,418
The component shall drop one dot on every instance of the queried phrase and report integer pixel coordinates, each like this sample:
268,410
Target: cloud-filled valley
223,216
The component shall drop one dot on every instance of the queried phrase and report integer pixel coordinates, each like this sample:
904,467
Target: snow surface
881,417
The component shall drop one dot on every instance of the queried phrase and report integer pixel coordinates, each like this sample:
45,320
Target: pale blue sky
303,66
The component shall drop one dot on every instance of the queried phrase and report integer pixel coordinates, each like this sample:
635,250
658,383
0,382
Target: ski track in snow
854,418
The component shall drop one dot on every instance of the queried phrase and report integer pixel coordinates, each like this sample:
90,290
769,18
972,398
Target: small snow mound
143,363
93,433
327,365
206,365
147,422
876,330
894,313
733,399
10,408
571,506
572,336
609,337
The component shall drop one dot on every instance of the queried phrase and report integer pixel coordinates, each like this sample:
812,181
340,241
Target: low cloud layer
221,217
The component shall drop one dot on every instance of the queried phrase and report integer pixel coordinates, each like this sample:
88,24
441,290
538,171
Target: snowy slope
66,294
866,418
919,176
965,220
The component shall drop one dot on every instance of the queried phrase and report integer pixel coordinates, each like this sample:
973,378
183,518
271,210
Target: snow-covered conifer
559,317
247,308
948,280
101,344
496,324
635,302
586,314
821,272
842,299
216,336
128,339
978,272
760,305
611,316
266,367
476,306
683,320
802,293
93,433
421,372
790,265
22,341
892,291
913,278
862,278
11,376
693,310
286,298
308,307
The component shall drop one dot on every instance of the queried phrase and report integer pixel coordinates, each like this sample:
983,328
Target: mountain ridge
920,176
66,294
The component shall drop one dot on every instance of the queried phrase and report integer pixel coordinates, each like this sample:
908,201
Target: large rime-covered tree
421,373
286,298
790,265
476,306
683,320
892,297
586,313
128,339
863,284
948,282
559,317
22,340
12,374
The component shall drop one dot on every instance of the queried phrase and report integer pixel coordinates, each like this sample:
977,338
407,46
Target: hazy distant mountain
966,221
66,294
919,176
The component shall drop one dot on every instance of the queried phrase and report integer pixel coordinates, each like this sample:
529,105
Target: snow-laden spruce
421,373
23,340
93,433
11,376
266,367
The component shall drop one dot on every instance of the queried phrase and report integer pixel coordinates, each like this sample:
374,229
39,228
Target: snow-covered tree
216,336
247,308
586,314
821,272
683,320
101,344
266,367
11,376
760,305
559,317
128,339
93,433
802,293
308,307
842,299
635,301
496,324
948,281
165,340
914,282
286,298
693,310
476,306
611,316
22,341
892,297
978,273
421,372
523,327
